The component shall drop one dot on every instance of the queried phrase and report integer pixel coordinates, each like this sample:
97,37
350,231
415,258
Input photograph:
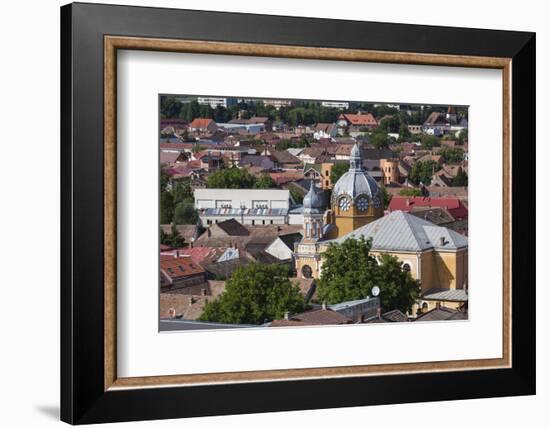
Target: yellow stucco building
435,255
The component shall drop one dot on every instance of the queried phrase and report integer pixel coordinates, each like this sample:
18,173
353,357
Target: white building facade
247,206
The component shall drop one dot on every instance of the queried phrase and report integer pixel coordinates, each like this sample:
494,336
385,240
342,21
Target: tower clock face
344,204
362,204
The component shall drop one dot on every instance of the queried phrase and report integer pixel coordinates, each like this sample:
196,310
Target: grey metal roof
177,325
446,295
231,212
400,231
356,181
314,200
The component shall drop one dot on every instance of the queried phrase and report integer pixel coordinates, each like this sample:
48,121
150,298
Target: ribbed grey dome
314,200
356,181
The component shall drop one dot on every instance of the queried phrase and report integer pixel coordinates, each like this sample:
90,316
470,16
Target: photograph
308,213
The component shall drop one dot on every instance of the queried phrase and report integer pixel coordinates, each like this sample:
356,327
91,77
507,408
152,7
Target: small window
263,221
270,221
208,221
406,267
253,222
181,268
327,173
326,183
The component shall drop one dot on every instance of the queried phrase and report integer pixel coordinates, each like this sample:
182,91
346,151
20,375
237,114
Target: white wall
275,198
30,34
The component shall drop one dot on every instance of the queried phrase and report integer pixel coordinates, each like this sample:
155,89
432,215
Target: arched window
307,272
406,267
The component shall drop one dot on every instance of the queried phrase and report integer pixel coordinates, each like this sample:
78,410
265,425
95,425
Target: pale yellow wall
348,221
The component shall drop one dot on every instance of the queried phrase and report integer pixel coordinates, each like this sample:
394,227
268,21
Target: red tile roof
313,317
455,206
200,123
360,119
179,267
203,254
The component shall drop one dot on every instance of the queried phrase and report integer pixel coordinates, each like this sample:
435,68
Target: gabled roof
446,295
284,157
313,317
454,205
233,228
179,267
442,313
400,231
200,123
365,119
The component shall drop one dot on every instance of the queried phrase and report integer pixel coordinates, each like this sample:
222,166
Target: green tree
170,107
231,178
254,294
462,136
429,141
404,133
380,139
385,196
452,154
422,172
390,124
349,272
337,170
461,179
410,191
166,207
164,178
185,213
398,289
182,192
176,240
264,182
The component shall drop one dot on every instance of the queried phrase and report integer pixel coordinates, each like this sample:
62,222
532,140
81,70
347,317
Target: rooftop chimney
379,312
442,241
324,306
287,315
171,313
408,202
176,254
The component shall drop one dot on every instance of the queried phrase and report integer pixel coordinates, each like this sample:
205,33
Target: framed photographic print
272,213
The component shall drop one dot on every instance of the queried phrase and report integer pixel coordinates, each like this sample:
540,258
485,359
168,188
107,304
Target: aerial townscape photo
303,213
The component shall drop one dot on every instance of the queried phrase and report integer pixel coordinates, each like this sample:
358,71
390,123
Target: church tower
356,198
306,254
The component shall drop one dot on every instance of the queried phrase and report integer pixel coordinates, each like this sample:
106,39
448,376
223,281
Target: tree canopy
429,141
255,294
231,178
452,154
461,179
349,272
185,213
264,182
337,170
410,191
422,172
172,239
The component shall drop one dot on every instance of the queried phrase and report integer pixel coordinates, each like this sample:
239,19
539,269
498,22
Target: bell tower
356,198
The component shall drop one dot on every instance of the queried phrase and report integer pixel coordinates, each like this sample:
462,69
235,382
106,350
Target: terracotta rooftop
454,205
179,267
366,119
200,123
313,317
